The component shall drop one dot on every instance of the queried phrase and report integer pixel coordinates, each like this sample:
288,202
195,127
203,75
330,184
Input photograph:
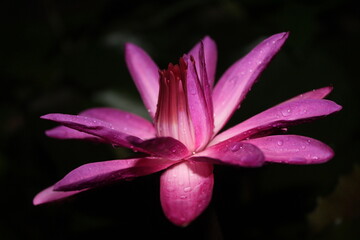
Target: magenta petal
199,101
165,147
232,153
49,195
280,116
95,127
210,53
101,173
293,149
239,78
125,122
185,191
314,94
145,74
63,132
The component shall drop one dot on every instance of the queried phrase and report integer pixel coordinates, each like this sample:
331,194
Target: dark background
66,56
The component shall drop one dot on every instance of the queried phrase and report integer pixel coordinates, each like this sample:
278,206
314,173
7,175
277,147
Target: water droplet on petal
235,147
286,112
187,189
183,197
280,142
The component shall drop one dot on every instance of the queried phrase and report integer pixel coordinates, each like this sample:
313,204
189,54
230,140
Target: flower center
172,117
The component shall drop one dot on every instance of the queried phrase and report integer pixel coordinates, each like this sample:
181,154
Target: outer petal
162,147
145,74
126,122
293,149
238,79
232,153
210,53
93,126
280,116
100,173
185,191
314,94
49,195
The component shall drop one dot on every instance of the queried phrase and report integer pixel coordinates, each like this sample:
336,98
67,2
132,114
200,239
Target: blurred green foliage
66,56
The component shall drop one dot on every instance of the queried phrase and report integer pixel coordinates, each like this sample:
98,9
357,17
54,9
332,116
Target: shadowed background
66,56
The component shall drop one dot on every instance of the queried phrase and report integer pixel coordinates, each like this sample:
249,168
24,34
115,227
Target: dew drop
286,112
183,197
280,142
235,147
192,91
187,189
233,80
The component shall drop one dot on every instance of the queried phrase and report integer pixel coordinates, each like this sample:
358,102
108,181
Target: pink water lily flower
188,111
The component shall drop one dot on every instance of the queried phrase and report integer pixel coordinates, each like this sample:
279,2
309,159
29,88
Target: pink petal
199,101
232,153
280,116
185,191
145,74
96,127
62,132
293,149
49,195
100,173
314,94
239,78
210,53
166,147
125,122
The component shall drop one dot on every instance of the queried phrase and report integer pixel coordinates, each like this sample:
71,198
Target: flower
188,111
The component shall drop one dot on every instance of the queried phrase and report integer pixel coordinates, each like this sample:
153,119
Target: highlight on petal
283,115
210,57
145,73
293,149
101,173
232,153
49,195
185,191
239,78
125,122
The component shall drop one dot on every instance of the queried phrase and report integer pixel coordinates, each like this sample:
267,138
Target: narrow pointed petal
49,195
239,78
199,101
126,122
185,191
167,147
293,149
145,73
101,173
96,127
232,153
210,52
280,116
314,94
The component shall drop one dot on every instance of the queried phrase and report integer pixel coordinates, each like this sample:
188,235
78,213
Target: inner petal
172,116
